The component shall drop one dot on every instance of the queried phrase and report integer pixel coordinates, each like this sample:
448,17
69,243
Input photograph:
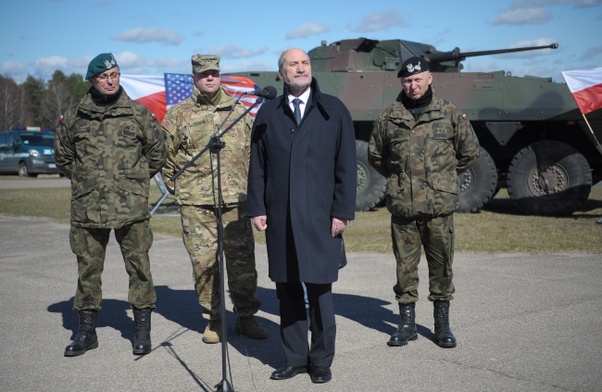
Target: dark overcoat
300,177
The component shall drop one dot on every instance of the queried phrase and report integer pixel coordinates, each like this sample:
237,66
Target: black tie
297,111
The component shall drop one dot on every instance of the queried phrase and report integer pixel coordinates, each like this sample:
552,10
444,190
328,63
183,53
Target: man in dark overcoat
301,191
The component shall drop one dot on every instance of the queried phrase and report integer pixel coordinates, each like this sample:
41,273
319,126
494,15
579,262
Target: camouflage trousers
199,230
437,237
90,244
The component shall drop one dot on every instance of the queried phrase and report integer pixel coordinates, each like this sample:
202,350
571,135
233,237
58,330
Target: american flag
159,93
177,88
237,86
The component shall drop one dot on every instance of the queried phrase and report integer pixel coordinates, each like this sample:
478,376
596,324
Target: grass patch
498,228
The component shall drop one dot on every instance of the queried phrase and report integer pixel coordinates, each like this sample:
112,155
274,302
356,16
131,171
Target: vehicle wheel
478,184
23,172
549,178
370,183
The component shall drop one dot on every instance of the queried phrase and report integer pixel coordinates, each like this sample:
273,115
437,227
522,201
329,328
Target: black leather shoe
286,372
320,375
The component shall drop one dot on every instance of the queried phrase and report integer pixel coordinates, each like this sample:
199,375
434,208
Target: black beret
412,66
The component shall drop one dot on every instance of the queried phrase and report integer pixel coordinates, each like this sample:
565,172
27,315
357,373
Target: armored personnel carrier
534,141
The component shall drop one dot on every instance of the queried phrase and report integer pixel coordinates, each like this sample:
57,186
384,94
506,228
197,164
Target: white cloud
532,3
145,35
522,16
248,66
54,62
542,3
233,51
307,30
380,21
592,52
544,41
587,3
44,67
13,67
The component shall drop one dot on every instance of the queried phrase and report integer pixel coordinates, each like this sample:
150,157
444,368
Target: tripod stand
215,145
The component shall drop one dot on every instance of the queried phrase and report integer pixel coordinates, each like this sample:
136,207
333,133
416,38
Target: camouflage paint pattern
110,154
89,245
420,158
199,226
437,237
189,126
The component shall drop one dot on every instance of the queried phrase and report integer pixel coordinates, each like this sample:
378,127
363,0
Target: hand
260,222
338,226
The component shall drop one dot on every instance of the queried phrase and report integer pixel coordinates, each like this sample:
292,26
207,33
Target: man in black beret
420,143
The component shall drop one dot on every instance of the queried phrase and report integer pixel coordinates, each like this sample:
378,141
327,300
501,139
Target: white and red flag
159,93
586,87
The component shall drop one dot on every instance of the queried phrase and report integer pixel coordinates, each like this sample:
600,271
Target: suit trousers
294,323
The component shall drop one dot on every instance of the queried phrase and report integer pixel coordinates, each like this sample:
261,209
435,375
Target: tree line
38,103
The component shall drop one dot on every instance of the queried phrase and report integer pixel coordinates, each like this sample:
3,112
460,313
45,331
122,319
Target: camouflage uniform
110,153
420,159
190,125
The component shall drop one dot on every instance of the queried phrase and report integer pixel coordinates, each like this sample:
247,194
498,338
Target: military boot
212,332
443,333
247,325
142,340
407,327
86,338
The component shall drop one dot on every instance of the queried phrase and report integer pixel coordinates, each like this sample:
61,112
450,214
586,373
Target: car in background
27,152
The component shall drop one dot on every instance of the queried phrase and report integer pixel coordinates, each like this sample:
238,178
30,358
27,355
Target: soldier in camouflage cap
189,125
110,146
419,144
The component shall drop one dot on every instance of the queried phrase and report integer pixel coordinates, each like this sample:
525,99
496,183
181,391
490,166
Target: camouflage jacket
190,125
421,158
110,153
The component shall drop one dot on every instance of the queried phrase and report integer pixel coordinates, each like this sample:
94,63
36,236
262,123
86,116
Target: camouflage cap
204,63
412,66
101,63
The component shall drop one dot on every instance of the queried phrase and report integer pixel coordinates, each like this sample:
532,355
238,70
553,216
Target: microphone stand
215,145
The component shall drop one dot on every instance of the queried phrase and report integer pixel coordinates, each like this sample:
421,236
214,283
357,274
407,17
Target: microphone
269,92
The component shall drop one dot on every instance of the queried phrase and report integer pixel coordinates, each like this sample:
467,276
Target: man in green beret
110,146
189,125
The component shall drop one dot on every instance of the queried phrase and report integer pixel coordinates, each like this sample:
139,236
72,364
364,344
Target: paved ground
524,323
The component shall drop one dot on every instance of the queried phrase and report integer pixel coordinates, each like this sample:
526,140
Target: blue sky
150,38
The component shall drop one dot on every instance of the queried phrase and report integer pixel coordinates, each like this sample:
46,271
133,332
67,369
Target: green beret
101,63
204,63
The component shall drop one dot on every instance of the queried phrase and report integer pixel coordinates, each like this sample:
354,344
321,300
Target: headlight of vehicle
34,153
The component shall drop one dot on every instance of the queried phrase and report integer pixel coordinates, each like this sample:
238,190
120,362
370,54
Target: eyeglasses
105,77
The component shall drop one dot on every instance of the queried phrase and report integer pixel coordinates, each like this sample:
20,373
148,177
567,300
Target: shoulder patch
167,126
61,118
464,117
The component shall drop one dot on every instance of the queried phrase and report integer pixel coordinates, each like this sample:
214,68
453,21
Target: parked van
27,152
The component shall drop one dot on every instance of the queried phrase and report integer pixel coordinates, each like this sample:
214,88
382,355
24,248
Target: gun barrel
458,56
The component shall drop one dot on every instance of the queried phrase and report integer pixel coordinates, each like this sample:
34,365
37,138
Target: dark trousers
294,323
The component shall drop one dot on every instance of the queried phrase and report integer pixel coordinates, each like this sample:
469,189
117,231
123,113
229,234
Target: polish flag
586,87
148,90
159,93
